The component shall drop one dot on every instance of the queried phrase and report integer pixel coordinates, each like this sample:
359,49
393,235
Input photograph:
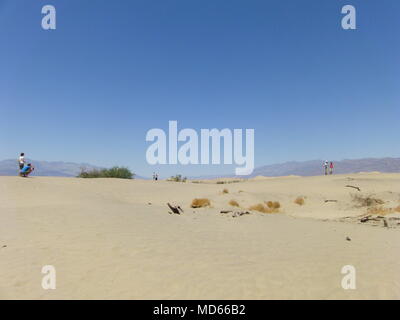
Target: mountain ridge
9,167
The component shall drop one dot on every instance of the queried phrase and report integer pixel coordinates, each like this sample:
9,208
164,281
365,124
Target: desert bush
115,172
178,178
90,174
273,204
265,208
366,201
225,191
234,203
300,201
200,203
228,182
380,210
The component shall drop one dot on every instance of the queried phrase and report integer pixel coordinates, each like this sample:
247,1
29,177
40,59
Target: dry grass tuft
225,191
273,204
379,210
200,203
228,182
258,207
374,205
300,201
382,211
265,208
366,201
234,203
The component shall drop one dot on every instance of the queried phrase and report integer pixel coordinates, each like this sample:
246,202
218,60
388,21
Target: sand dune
114,239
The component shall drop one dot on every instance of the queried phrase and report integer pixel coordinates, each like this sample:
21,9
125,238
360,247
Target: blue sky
91,89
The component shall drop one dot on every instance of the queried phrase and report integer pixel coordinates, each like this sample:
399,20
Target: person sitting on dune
26,170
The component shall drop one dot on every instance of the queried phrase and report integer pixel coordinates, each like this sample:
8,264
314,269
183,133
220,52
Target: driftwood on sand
377,218
385,223
357,188
175,209
365,219
239,213
236,213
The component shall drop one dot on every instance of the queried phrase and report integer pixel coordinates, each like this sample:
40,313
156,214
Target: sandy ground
114,239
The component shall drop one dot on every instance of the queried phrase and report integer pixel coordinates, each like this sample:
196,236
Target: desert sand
115,239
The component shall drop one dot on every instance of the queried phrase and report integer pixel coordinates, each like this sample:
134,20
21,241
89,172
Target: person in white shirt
21,161
326,167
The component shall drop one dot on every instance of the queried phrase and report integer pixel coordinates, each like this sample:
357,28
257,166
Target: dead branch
357,188
175,209
239,213
385,223
225,211
365,219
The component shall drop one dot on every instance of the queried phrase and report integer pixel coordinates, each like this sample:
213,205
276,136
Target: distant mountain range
304,168
315,167
46,168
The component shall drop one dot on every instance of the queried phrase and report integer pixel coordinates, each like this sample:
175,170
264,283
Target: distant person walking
21,161
326,167
331,168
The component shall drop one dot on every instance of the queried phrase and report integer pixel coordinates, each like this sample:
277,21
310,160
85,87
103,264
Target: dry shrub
200,203
366,201
300,201
264,208
234,203
273,204
382,211
227,182
258,207
225,191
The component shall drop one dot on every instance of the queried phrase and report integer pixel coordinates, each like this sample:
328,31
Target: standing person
156,177
326,167
331,168
21,161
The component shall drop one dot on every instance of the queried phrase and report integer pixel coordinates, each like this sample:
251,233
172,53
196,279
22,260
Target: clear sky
91,89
